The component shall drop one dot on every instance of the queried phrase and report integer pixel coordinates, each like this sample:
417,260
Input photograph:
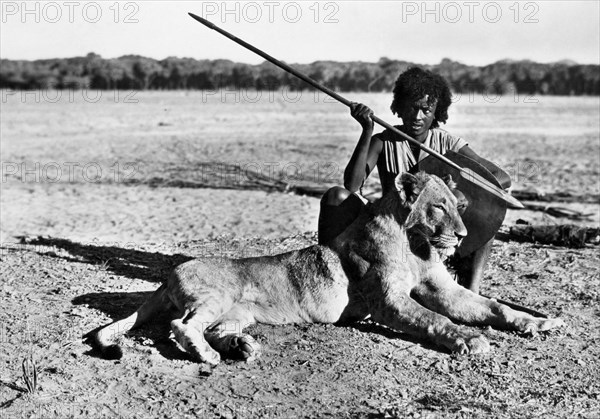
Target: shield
485,213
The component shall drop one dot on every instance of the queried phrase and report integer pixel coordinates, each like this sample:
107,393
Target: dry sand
82,248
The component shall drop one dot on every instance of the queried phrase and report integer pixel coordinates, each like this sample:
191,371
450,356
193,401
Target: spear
467,174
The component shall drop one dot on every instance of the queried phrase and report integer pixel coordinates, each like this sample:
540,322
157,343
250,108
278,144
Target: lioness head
434,217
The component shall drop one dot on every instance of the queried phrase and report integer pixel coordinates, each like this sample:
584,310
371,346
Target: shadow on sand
131,263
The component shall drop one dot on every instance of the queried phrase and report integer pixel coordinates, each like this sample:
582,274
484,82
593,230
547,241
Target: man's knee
335,196
339,208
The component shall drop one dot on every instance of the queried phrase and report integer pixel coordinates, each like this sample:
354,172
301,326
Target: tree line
137,72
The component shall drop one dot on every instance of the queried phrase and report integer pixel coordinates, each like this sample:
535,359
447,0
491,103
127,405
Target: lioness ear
449,182
408,187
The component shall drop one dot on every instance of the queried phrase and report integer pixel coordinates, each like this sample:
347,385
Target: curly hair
415,83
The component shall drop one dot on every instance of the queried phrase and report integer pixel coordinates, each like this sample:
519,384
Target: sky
424,32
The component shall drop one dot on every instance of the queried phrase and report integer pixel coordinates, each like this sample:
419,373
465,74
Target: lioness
388,265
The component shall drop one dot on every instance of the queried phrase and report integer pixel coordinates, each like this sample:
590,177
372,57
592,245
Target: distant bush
136,72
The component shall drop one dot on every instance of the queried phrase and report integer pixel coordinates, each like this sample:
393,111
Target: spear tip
201,20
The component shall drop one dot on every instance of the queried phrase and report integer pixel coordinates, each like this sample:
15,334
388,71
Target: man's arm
501,175
365,155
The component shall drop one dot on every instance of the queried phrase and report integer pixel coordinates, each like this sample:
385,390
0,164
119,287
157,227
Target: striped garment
399,158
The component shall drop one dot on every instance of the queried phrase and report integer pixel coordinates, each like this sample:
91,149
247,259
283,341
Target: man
421,100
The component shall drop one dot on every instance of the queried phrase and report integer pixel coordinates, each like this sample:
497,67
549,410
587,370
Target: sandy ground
81,249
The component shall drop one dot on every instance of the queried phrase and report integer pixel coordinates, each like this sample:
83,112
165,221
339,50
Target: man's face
418,116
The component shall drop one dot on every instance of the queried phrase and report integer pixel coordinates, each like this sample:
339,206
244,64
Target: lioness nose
461,234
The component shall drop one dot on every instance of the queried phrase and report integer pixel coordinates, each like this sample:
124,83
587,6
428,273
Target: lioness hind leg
104,338
189,332
226,335
192,341
444,296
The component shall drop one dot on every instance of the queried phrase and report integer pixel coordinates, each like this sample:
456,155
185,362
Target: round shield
485,213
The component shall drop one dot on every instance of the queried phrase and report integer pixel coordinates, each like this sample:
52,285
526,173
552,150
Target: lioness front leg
442,295
406,315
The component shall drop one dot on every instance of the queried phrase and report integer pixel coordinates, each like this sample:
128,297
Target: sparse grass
30,374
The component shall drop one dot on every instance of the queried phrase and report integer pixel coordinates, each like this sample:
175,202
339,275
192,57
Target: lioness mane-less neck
392,204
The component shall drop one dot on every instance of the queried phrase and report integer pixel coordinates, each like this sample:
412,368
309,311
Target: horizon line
567,61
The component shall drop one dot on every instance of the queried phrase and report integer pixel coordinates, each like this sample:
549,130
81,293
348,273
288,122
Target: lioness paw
244,347
210,357
551,324
542,325
472,345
